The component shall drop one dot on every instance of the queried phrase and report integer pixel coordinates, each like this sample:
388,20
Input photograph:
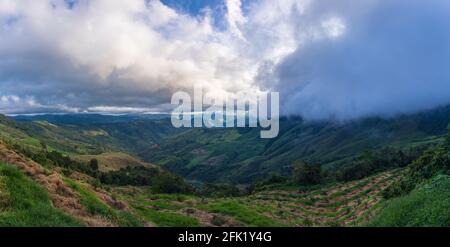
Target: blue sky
193,6
328,59
196,7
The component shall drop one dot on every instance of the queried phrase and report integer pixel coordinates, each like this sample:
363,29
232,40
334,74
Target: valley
372,172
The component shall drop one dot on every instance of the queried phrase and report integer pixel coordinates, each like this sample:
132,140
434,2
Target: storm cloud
393,58
329,59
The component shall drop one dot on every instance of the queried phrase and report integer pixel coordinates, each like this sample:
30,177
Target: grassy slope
96,207
91,138
428,205
25,203
113,161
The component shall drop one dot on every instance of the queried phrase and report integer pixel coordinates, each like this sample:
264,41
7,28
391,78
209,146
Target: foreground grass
23,203
429,205
167,219
241,213
97,207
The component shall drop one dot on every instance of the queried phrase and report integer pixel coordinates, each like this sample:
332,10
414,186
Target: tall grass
23,203
97,207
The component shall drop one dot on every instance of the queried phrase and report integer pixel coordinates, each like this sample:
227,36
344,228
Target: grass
266,208
163,205
97,207
167,219
23,203
113,161
427,206
241,213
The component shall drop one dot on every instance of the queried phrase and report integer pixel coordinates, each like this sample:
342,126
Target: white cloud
130,55
334,27
107,52
235,17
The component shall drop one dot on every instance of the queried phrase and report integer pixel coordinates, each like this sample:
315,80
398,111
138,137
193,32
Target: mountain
46,179
239,155
87,133
226,155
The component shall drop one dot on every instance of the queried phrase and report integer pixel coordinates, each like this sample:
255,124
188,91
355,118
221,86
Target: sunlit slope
86,137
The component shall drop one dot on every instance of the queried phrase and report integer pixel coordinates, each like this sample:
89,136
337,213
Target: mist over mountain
389,60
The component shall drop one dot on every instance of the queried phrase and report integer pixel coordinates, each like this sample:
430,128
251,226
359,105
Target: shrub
428,165
307,174
168,183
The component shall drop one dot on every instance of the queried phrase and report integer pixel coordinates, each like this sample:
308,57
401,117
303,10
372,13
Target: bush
307,174
371,162
219,190
428,165
170,184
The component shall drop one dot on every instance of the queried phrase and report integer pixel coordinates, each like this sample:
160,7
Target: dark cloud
393,59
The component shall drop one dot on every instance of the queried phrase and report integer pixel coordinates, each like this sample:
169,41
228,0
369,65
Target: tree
94,164
170,184
307,174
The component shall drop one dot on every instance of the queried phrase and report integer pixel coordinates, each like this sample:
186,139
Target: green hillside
87,137
239,155
425,206
25,203
396,177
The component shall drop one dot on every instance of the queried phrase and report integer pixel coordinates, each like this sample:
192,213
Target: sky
339,59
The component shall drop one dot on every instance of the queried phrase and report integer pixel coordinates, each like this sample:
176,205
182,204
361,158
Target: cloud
235,17
391,59
111,52
341,59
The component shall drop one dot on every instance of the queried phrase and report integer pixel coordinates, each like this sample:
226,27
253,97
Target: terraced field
338,205
344,204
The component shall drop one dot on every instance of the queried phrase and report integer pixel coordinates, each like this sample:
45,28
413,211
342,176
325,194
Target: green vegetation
427,205
370,162
307,174
161,182
371,172
97,207
241,213
93,164
113,161
240,156
25,203
167,219
432,162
